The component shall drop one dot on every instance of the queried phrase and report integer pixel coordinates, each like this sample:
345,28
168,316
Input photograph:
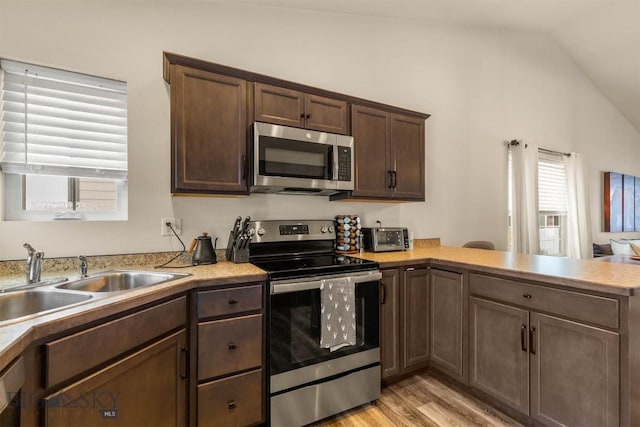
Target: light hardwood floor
421,400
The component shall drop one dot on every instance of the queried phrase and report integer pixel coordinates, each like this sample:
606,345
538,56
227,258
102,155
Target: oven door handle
283,288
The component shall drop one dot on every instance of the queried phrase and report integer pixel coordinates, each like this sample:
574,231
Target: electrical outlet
176,223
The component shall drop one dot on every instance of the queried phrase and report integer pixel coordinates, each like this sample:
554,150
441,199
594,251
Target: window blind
552,193
58,122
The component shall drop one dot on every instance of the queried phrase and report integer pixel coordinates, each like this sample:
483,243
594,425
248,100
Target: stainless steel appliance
385,239
306,381
299,161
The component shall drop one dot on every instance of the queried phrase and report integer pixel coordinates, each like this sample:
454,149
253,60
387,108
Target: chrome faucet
83,266
33,264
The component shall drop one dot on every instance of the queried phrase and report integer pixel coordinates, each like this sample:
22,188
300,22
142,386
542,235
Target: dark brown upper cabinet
389,155
288,107
209,122
214,106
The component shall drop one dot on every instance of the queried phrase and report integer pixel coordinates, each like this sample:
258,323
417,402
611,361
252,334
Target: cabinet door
371,141
407,157
145,388
498,352
390,323
447,300
574,373
279,105
415,319
208,132
326,114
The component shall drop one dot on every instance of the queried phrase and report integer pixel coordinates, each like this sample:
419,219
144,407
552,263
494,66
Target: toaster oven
385,239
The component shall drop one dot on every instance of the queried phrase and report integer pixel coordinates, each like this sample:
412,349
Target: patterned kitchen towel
338,310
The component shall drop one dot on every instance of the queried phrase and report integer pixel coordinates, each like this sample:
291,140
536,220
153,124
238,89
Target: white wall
481,87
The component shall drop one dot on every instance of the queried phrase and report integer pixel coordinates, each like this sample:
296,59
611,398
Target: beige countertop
608,277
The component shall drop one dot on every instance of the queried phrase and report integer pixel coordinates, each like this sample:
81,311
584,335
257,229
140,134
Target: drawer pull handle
532,339
231,404
527,296
232,302
523,338
232,346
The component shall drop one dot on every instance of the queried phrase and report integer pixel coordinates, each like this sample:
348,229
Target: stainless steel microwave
299,161
385,239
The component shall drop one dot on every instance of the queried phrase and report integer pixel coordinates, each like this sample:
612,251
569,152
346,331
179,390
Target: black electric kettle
204,252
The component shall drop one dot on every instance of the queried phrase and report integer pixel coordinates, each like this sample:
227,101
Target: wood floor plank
442,416
421,401
478,413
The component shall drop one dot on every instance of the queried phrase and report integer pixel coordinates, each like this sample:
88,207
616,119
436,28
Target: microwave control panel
344,163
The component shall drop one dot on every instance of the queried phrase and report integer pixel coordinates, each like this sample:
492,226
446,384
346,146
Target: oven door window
294,159
295,328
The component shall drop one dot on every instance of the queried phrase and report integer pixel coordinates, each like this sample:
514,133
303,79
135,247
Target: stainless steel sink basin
116,281
24,303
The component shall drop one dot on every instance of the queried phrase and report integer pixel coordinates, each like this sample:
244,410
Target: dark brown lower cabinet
390,323
148,387
415,318
230,365
557,371
232,401
404,321
448,322
499,357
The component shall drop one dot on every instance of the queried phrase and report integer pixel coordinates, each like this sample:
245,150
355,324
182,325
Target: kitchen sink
24,303
117,281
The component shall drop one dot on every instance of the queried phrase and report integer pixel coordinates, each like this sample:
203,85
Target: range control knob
251,232
323,229
331,229
261,231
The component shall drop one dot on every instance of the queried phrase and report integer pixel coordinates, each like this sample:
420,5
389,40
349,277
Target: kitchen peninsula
526,333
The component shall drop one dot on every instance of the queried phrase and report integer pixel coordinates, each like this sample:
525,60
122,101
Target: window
552,204
63,151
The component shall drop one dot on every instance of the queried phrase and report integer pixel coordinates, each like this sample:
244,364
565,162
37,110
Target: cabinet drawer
234,401
574,305
87,349
229,345
230,301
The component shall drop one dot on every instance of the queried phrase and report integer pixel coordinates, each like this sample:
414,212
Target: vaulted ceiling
601,36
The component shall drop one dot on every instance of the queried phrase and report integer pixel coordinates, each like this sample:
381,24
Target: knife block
234,254
239,255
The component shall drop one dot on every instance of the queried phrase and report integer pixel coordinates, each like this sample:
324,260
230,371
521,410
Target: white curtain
524,196
579,243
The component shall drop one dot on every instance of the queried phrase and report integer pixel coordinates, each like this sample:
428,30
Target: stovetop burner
293,248
316,265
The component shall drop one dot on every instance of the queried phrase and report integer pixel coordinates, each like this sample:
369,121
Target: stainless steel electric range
310,377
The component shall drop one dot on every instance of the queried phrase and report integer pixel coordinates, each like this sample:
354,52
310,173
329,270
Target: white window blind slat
60,122
552,193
